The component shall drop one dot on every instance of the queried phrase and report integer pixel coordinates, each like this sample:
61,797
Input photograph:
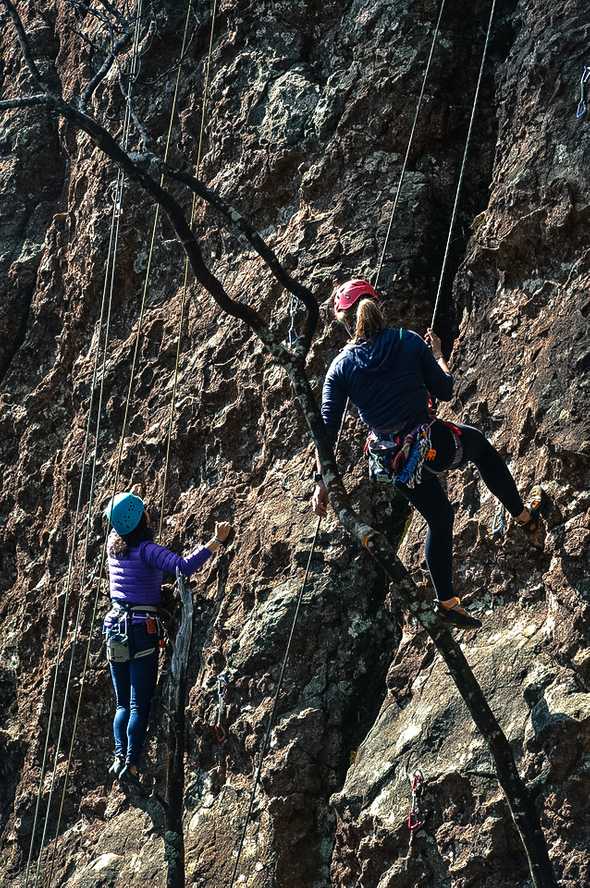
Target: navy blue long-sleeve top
388,378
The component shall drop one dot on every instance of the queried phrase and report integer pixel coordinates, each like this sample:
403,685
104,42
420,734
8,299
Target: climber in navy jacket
391,375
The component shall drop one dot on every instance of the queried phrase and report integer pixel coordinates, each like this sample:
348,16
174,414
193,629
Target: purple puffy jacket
136,578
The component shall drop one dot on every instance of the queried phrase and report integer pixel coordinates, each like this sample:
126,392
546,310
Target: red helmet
350,292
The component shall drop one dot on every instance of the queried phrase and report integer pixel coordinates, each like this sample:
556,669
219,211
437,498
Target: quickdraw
499,523
222,689
583,105
416,818
293,337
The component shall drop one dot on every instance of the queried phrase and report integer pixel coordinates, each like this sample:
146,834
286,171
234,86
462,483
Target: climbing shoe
117,766
538,506
451,612
129,777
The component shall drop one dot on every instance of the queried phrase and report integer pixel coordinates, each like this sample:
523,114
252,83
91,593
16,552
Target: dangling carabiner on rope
583,106
416,818
293,337
499,522
222,689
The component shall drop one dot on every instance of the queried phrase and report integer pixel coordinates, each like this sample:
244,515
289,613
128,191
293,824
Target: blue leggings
134,683
433,504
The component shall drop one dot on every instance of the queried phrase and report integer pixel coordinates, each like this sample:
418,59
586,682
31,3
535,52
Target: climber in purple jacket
391,375
136,569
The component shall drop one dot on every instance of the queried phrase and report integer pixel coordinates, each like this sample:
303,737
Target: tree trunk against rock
177,690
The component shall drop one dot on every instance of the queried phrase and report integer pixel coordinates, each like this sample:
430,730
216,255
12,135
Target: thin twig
105,68
21,36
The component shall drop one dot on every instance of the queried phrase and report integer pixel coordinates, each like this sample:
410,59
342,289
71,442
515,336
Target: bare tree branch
105,68
114,12
178,219
78,6
21,36
237,220
25,102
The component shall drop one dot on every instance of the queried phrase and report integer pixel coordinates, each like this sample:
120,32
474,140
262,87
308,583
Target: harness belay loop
118,630
397,460
393,460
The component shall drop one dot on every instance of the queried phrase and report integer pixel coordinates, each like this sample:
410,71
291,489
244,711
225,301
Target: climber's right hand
319,500
222,530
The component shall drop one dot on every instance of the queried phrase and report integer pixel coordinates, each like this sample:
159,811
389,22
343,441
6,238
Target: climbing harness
397,460
222,690
119,639
416,817
582,109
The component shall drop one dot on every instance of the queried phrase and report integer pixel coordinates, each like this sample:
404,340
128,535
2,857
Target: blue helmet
124,511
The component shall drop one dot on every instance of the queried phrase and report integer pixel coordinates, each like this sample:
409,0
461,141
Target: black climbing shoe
451,612
127,776
117,766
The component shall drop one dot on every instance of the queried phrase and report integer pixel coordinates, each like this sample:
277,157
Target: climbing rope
107,287
275,703
499,521
69,574
463,163
292,340
121,442
410,141
267,734
293,337
222,691
187,265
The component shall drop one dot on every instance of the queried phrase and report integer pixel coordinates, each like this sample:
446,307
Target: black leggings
433,504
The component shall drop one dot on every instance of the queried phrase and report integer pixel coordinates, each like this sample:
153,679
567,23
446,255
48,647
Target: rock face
309,114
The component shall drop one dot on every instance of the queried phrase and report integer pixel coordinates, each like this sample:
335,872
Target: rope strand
463,164
109,271
380,265
186,273
410,140
100,573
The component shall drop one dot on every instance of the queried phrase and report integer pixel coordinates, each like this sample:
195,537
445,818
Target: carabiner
582,109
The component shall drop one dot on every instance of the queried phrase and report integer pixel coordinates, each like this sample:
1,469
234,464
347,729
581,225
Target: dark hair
119,544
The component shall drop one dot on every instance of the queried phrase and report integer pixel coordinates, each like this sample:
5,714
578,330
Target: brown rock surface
311,106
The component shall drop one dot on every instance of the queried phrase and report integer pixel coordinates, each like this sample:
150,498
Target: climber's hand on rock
222,530
319,500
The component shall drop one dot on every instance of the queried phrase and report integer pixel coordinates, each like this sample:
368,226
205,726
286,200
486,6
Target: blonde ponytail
369,320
